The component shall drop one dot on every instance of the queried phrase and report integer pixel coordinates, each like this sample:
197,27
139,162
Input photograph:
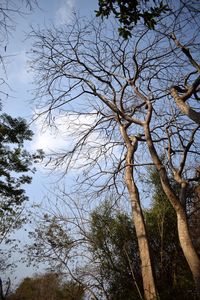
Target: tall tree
113,116
126,112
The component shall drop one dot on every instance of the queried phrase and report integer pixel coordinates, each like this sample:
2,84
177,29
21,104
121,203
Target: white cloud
65,133
64,12
50,139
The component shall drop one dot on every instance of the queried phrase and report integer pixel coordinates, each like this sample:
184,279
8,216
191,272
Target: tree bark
183,230
184,107
181,100
150,292
146,267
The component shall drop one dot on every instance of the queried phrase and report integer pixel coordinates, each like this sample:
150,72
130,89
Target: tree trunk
188,249
138,220
146,267
183,230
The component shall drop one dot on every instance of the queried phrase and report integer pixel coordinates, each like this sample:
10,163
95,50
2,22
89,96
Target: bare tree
83,80
84,71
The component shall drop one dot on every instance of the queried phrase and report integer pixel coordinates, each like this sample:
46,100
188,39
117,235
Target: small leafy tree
49,286
16,168
114,248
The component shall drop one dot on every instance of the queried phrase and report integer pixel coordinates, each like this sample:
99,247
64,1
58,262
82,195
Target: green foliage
171,268
47,286
113,249
114,246
16,166
15,162
130,12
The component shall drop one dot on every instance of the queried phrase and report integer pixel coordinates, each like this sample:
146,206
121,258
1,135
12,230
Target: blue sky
50,12
19,79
